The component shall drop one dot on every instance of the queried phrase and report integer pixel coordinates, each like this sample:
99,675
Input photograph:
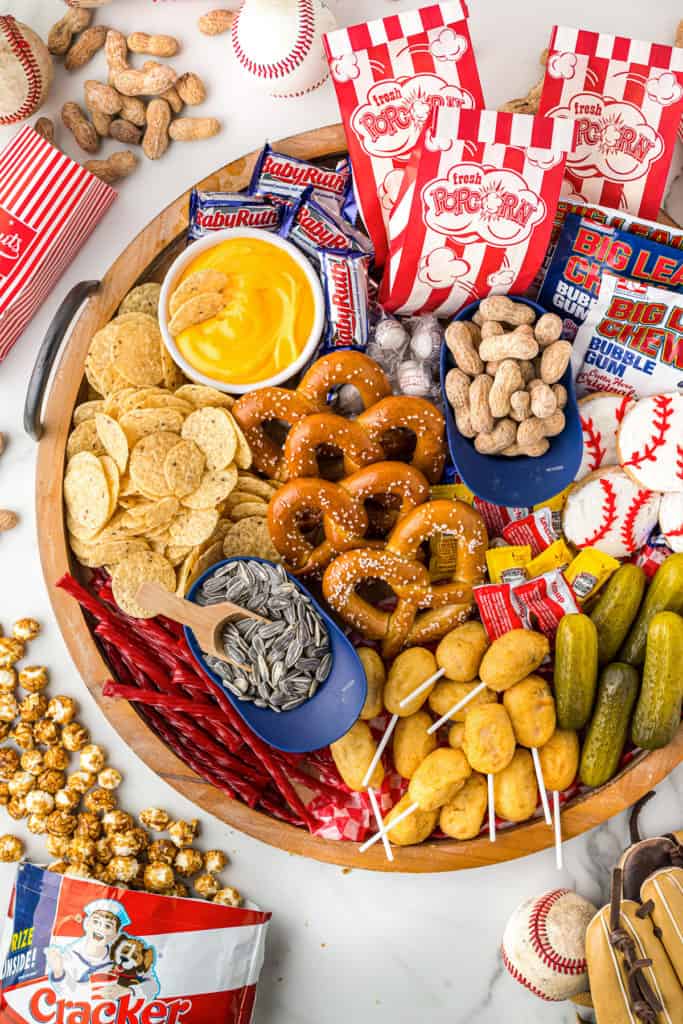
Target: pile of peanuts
136,106
77,812
505,389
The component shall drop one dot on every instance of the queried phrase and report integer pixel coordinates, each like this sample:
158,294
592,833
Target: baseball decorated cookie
544,944
671,519
600,415
609,511
650,442
25,71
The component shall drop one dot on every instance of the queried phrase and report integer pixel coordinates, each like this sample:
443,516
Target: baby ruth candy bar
313,226
585,249
475,209
284,178
214,211
345,284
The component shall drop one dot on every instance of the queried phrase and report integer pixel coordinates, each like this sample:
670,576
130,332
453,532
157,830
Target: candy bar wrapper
390,75
284,178
345,284
631,342
626,97
312,226
48,207
585,249
81,952
475,209
214,211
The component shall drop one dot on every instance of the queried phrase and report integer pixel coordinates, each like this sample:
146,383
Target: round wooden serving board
145,259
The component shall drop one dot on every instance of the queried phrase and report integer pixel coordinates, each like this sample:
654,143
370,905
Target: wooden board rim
581,814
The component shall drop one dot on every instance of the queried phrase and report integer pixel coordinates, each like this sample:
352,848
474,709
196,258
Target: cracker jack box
390,75
631,342
626,97
585,249
76,951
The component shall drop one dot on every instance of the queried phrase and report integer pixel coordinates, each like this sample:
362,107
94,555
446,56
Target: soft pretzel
408,580
450,602
324,428
380,480
262,406
326,501
346,367
417,415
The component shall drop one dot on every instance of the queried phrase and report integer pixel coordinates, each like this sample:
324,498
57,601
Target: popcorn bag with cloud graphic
475,209
627,100
390,76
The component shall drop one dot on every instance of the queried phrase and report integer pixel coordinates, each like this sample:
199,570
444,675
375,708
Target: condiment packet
496,517
312,226
475,209
536,529
631,342
651,556
390,75
345,284
498,610
285,178
556,556
546,599
588,572
49,205
82,952
443,555
555,504
585,249
456,491
507,564
214,211
626,98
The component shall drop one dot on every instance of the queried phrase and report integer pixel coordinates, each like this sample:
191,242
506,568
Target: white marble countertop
363,946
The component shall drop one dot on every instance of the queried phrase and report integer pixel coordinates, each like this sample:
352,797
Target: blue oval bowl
520,481
317,722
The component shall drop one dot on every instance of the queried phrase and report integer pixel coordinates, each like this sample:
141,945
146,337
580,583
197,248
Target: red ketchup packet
626,97
82,952
475,210
498,609
537,530
546,599
390,75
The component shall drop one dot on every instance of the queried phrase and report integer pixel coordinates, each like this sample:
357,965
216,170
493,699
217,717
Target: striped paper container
390,75
48,206
475,211
627,99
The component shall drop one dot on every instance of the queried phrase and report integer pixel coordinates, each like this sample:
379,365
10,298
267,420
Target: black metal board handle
33,406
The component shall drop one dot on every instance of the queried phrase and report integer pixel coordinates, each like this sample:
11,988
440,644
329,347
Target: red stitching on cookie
521,979
591,442
538,936
22,51
661,422
294,58
628,526
610,506
679,461
622,408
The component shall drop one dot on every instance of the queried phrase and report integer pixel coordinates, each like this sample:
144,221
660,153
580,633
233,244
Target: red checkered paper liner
476,209
627,99
48,206
390,75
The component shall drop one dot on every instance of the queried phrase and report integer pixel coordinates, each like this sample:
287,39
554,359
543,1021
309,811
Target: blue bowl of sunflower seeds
307,685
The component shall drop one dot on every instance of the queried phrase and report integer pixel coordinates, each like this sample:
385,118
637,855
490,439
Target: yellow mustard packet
589,571
508,564
556,556
451,492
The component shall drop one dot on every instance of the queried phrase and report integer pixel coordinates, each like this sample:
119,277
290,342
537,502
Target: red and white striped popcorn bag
390,75
49,204
627,99
475,211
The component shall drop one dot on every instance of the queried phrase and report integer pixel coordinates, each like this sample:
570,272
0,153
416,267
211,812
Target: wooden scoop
205,621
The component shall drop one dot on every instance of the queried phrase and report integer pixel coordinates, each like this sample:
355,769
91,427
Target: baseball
25,71
544,945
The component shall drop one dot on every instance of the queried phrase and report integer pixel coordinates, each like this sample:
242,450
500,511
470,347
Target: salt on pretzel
325,428
377,481
345,367
267,405
408,580
450,602
414,414
324,501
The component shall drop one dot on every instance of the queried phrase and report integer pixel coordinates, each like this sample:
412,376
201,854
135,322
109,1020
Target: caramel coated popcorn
61,709
57,846
4,794
158,877
8,680
109,778
33,678
39,802
11,849
67,799
81,781
122,869
215,861
183,833
16,807
11,651
125,844
47,732
75,736
92,758
155,819
88,824
163,851
37,824
9,762
117,821
25,629
188,862
228,897
51,780
32,761
61,823
98,800
56,757
23,736
33,707
8,706
21,783
207,886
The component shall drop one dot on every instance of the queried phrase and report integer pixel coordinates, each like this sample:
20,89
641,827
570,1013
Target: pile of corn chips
157,486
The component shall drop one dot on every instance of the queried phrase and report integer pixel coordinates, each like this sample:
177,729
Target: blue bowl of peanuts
305,685
530,448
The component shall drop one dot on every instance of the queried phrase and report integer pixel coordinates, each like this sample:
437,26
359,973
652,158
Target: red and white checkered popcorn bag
390,75
627,100
475,210
49,204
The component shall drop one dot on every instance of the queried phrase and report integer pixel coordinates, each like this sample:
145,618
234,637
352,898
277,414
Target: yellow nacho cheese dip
267,319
